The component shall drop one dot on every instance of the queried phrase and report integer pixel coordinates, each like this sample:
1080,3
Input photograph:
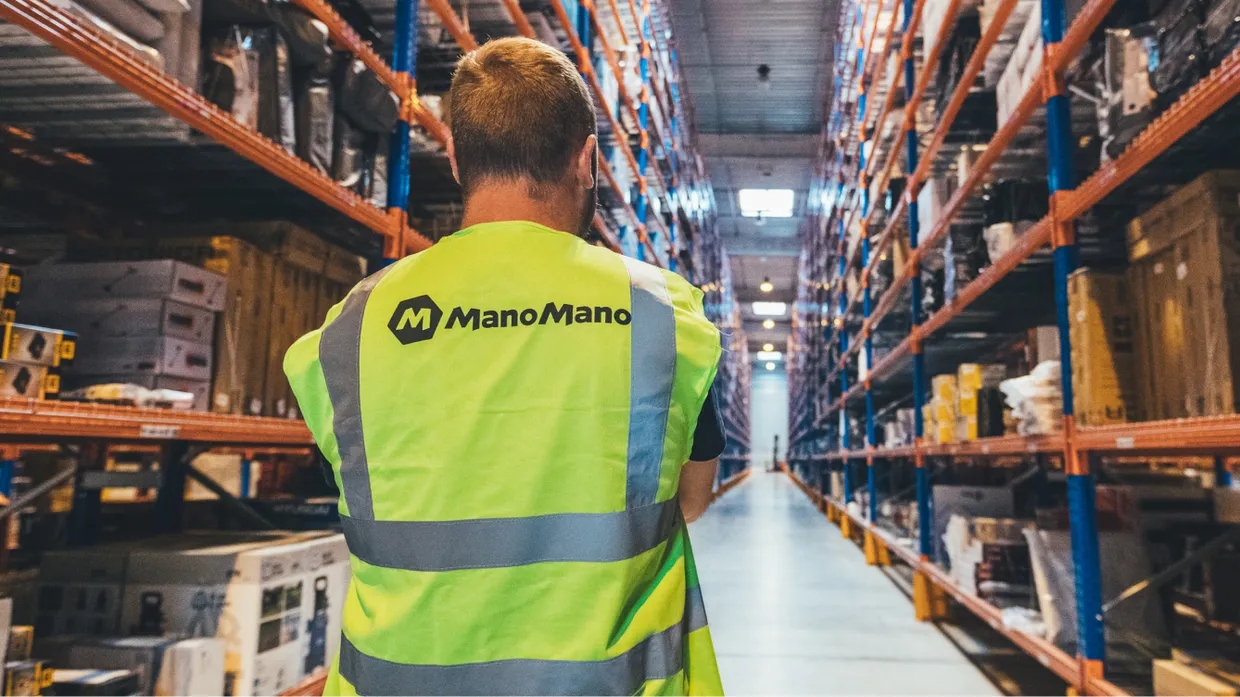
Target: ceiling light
770,366
766,286
770,356
768,347
766,203
768,324
770,309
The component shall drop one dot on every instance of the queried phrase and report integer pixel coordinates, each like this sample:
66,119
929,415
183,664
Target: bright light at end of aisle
768,324
768,347
765,203
770,309
770,366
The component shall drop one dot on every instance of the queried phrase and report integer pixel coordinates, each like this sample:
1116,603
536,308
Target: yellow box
966,427
944,387
1103,360
946,432
969,377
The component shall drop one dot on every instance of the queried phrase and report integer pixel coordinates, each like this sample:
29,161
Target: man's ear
452,159
585,163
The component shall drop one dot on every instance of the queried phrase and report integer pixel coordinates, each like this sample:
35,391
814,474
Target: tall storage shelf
909,118
656,203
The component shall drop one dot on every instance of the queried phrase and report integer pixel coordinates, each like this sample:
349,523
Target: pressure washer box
276,605
163,665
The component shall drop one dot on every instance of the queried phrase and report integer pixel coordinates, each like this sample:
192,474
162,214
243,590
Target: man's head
521,114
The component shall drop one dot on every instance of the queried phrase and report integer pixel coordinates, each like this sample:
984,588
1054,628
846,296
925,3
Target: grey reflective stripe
340,347
499,542
657,657
695,610
652,370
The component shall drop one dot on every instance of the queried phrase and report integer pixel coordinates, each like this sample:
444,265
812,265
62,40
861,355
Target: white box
201,389
164,665
165,278
148,356
121,318
259,598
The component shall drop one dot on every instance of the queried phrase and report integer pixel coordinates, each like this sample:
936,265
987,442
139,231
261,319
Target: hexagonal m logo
415,319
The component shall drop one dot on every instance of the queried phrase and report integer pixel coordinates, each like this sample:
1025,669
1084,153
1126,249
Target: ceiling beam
765,145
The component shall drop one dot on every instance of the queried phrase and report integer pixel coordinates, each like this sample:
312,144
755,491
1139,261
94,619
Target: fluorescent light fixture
770,356
765,309
766,203
770,366
768,324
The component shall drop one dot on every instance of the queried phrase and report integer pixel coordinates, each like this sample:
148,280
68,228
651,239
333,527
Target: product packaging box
156,355
29,381
943,387
122,318
1103,358
24,343
969,502
27,678
161,665
163,278
6,631
10,291
1185,280
201,389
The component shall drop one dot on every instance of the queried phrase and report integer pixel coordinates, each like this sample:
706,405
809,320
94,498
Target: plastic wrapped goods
305,34
365,99
230,79
1128,102
1036,400
347,154
275,89
315,113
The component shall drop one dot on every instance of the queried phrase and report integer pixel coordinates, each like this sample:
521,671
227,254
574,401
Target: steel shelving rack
670,179
851,163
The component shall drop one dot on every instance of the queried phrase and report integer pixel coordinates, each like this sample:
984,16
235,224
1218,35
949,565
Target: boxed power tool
28,381
24,343
160,665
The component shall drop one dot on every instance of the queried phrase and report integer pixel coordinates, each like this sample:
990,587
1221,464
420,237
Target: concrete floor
793,608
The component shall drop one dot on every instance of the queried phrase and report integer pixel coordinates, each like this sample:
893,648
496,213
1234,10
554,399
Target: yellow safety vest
507,414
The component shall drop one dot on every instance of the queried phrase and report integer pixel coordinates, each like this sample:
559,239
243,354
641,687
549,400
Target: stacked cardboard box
943,404
148,323
273,598
979,409
31,359
1100,307
1185,279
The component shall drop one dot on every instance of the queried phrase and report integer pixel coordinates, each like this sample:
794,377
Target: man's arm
697,477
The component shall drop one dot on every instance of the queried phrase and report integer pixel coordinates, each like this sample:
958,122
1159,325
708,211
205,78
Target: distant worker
520,424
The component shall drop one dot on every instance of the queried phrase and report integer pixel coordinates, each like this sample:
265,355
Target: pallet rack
679,214
851,163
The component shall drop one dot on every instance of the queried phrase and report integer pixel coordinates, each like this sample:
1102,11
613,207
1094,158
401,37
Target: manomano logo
417,319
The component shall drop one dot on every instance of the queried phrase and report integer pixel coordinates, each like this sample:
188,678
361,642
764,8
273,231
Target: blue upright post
404,63
643,123
1091,643
1222,476
925,543
842,329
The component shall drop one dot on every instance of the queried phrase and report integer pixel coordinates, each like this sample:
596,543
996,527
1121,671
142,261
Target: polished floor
793,608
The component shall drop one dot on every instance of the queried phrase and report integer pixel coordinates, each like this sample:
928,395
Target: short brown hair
519,109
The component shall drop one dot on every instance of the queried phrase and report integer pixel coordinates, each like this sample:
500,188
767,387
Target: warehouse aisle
794,609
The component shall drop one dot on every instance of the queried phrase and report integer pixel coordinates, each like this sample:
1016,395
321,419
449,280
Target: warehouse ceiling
758,72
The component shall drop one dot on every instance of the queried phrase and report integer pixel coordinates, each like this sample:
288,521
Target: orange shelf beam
22,420
464,38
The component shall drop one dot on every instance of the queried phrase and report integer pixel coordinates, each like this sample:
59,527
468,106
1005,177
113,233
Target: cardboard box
1103,351
165,278
27,678
944,387
1185,278
146,356
10,291
25,343
28,381
122,318
20,637
1176,679
162,665
970,502
236,475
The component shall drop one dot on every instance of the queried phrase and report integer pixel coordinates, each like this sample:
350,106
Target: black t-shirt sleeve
708,438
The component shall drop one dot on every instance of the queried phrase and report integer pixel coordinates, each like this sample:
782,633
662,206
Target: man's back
507,414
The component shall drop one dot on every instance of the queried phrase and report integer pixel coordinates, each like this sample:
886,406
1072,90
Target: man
510,417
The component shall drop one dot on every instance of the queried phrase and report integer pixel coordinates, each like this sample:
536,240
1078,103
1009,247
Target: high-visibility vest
507,414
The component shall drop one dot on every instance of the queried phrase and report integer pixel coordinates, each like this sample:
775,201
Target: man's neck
499,202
